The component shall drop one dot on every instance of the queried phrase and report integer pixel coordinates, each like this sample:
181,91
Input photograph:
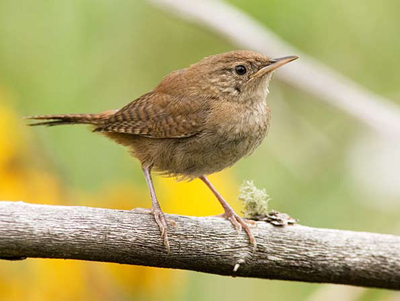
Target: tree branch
204,244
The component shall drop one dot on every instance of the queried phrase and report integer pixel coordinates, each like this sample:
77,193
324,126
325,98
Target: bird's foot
239,224
162,225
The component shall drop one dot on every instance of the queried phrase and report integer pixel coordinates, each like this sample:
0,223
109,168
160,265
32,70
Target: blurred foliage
89,56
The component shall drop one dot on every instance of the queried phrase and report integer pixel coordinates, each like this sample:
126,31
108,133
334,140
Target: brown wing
157,115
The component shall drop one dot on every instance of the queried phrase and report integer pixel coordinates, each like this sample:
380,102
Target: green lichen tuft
255,200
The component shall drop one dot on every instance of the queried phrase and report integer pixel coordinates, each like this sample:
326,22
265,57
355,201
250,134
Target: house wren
197,121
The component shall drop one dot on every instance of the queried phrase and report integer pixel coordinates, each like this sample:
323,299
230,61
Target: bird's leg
230,214
156,209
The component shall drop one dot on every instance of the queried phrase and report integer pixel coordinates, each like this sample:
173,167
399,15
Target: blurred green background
318,164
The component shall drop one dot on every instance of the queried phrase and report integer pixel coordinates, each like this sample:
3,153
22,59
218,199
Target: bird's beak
274,64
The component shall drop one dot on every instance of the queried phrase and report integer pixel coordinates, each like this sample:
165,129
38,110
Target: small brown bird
197,121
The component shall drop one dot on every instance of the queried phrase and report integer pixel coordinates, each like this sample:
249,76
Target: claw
237,226
162,225
240,224
230,214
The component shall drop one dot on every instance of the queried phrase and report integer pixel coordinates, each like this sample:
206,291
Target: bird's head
238,75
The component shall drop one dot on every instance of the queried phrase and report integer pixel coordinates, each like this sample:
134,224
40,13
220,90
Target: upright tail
51,120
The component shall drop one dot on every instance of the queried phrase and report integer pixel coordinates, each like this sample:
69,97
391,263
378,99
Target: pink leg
230,214
156,209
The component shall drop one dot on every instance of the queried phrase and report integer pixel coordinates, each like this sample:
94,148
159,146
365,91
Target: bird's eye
240,69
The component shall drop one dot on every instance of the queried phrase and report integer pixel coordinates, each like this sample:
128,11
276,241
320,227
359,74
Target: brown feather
61,119
156,115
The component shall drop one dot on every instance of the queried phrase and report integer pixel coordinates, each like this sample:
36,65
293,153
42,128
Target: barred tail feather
52,120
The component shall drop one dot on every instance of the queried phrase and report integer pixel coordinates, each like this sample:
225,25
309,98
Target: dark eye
240,69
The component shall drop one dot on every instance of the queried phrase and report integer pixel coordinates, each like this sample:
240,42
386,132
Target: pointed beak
275,64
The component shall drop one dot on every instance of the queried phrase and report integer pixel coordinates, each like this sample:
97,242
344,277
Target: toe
162,225
235,223
240,224
249,233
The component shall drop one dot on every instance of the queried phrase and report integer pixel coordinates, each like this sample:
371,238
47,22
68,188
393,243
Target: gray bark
204,244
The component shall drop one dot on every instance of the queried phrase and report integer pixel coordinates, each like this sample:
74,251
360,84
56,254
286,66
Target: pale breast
225,142
244,131
227,137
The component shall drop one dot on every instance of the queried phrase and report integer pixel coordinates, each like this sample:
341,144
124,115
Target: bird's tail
51,120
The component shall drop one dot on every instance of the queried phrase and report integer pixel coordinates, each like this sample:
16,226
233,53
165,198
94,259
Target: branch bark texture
204,244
